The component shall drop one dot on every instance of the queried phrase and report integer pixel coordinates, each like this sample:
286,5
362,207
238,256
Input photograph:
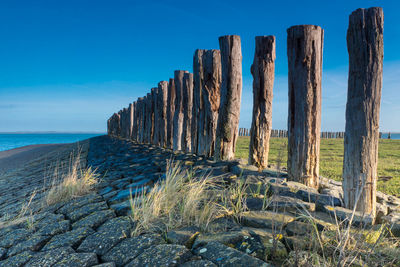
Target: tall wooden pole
187,103
231,93
170,113
304,49
263,70
365,47
178,115
162,103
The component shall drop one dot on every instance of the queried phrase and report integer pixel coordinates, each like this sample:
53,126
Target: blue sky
68,65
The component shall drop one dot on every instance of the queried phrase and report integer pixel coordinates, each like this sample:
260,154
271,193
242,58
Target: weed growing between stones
75,181
178,200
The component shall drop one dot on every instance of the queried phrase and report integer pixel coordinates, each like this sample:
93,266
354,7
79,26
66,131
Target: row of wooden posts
199,112
284,133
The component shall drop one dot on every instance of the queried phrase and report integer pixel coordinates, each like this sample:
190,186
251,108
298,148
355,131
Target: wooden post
263,70
304,49
135,121
130,120
155,129
163,105
198,106
231,93
178,115
187,112
365,47
170,113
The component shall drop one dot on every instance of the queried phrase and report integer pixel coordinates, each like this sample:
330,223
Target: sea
15,140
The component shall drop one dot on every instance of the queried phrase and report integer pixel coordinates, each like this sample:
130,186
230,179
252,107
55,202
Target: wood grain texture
365,48
263,71
178,115
304,50
170,113
231,93
187,103
162,103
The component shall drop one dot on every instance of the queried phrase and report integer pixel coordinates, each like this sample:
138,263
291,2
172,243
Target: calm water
392,136
10,141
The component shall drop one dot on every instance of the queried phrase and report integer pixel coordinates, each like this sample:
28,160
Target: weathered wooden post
134,124
170,113
207,82
365,47
130,120
178,115
143,119
211,100
231,93
198,106
304,50
162,99
187,112
148,120
263,70
155,137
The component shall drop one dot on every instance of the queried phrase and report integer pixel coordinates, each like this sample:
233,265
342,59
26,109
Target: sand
16,158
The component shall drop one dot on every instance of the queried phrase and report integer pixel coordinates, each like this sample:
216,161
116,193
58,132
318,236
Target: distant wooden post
148,116
365,47
155,136
231,93
170,113
134,124
263,70
130,120
304,49
162,103
187,112
178,115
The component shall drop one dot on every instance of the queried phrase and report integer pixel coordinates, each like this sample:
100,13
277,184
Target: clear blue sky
68,65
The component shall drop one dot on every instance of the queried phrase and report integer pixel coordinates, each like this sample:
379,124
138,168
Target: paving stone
110,195
198,263
54,228
344,215
108,235
86,210
126,194
107,264
3,253
162,255
106,190
286,204
266,219
34,243
18,260
123,208
184,236
226,238
13,237
226,256
69,239
95,219
130,248
79,202
78,260
49,258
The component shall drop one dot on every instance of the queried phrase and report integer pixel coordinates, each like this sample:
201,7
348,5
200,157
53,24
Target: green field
331,159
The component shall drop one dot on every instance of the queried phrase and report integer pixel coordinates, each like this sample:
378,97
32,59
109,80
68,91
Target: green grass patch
331,159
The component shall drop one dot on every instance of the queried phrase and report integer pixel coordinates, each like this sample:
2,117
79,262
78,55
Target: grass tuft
76,181
178,200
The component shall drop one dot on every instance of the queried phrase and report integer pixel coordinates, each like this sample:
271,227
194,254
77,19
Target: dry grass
178,200
75,181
